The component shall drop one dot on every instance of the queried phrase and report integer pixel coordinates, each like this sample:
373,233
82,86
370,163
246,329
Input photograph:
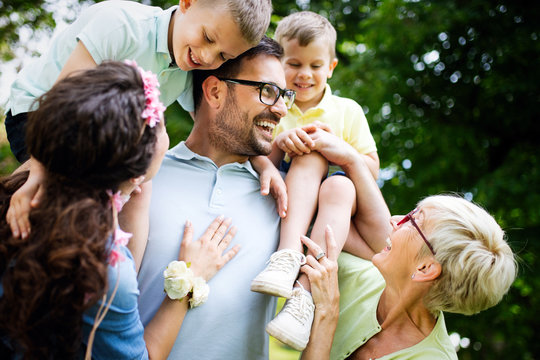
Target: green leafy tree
451,92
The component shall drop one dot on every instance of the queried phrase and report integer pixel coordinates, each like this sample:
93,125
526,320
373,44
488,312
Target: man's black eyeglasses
268,93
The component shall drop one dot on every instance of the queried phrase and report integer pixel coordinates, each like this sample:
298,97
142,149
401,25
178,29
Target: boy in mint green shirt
199,34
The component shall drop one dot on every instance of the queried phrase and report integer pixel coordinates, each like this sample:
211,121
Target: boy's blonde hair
251,16
478,266
306,26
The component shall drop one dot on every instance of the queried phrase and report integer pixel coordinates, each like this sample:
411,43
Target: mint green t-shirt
111,30
361,285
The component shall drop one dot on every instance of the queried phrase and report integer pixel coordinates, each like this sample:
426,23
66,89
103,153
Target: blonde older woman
448,254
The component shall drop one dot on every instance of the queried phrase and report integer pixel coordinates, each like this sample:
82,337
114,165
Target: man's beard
234,132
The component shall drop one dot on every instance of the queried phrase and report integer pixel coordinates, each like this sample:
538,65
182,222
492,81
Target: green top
361,285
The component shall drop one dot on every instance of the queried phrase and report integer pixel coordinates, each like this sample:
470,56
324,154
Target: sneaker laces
286,260
300,305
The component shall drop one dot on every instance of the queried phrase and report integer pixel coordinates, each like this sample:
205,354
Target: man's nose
279,108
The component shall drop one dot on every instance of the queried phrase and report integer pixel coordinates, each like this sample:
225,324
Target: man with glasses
236,109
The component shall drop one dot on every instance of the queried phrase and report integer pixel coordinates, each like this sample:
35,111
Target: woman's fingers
331,245
226,240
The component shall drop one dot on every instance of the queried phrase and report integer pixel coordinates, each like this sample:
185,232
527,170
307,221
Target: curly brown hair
89,135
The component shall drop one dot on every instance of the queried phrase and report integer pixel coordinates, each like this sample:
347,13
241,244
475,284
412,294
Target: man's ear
214,91
333,65
428,270
185,4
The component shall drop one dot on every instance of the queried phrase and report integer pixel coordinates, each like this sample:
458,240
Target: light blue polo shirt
230,325
110,30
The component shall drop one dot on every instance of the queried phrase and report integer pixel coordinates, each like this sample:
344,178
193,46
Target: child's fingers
265,184
306,140
12,221
37,197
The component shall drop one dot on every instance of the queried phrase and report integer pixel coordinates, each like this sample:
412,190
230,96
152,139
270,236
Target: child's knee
337,188
312,161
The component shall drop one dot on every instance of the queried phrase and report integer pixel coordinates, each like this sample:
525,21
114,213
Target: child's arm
271,182
134,218
80,59
25,198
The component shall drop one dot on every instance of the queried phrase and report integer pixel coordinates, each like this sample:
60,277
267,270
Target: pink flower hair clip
154,107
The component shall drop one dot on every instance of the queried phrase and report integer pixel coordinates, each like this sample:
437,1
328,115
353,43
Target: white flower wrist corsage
179,282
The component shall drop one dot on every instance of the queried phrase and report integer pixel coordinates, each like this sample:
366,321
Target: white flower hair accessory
154,107
179,282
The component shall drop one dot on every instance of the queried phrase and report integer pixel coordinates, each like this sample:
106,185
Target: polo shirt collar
324,105
162,31
182,152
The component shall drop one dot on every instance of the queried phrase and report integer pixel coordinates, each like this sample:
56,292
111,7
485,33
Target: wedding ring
320,255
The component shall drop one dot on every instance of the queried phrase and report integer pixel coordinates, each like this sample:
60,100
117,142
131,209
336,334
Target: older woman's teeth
388,242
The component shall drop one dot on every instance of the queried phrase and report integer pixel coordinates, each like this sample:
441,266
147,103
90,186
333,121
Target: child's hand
295,142
206,255
334,149
271,182
23,200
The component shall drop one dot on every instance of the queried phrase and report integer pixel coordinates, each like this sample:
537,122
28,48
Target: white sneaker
279,275
292,325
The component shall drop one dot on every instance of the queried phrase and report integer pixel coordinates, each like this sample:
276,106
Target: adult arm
207,256
134,218
323,280
374,224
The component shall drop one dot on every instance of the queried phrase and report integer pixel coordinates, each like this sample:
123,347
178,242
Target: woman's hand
24,199
323,279
207,255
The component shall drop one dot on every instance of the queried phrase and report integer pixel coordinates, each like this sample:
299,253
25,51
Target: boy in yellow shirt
309,59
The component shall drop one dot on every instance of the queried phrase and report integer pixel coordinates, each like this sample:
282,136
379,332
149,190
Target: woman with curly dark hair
72,280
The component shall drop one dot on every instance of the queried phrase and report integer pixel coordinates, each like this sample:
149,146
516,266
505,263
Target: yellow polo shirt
344,116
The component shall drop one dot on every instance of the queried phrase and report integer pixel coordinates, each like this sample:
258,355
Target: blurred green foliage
450,89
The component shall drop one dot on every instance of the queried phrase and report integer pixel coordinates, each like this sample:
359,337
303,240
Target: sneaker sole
293,342
265,288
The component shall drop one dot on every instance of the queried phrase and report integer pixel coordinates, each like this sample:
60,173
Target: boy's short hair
251,16
231,68
306,26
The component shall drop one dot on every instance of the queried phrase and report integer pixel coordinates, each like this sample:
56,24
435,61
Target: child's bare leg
337,203
303,181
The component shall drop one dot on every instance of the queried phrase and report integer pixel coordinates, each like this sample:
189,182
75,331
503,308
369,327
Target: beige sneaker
279,275
292,325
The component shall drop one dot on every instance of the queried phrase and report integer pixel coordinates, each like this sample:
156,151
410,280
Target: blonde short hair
478,266
306,26
251,16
